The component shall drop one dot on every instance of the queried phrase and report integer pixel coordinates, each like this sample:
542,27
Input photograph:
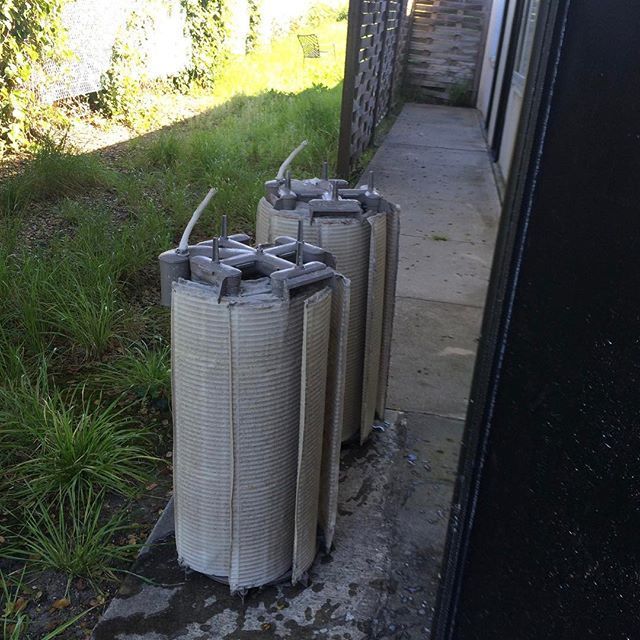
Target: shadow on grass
235,146
81,232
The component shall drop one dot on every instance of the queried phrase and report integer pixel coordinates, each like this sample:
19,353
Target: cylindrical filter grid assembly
251,389
347,239
361,229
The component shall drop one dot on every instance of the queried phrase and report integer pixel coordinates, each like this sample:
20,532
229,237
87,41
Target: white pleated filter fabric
348,240
391,276
237,418
315,350
374,321
332,439
201,362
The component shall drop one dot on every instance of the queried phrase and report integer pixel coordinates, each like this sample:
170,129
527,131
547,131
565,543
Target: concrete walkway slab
464,221
431,444
453,185
434,126
380,579
462,165
345,590
457,271
432,356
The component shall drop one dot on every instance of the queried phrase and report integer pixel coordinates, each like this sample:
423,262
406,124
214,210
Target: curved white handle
284,166
184,241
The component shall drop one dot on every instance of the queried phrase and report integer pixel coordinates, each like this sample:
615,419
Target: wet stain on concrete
354,593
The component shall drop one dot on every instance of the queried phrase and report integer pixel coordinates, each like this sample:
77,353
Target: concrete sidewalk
380,579
435,165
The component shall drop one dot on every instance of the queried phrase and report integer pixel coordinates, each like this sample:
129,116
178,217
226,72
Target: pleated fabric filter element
332,437
349,238
202,415
267,348
259,353
391,276
249,374
374,320
315,349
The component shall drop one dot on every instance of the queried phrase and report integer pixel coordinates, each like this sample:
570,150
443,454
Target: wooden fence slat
433,46
446,45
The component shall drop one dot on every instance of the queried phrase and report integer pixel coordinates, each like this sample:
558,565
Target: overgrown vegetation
207,25
49,174
71,538
84,357
30,32
126,84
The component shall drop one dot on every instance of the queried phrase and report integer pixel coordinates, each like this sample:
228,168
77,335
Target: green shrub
53,442
30,32
73,536
207,26
145,371
342,14
125,83
254,24
322,12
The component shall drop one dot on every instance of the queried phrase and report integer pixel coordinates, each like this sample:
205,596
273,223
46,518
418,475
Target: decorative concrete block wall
446,48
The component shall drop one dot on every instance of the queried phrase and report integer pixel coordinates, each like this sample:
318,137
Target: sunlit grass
239,146
281,65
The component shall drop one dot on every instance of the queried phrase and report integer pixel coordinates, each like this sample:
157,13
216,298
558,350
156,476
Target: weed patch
142,370
73,537
50,174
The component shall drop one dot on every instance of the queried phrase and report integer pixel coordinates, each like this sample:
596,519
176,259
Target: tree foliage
207,24
30,32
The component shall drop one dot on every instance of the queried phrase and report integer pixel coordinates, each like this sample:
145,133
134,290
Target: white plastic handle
184,241
285,165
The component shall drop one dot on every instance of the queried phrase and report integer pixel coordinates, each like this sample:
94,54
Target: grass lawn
85,424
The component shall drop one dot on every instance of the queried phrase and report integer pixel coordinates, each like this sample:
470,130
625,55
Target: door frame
505,82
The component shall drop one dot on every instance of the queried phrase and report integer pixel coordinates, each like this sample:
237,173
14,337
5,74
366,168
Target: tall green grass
14,621
49,174
73,537
145,371
238,147
52,440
